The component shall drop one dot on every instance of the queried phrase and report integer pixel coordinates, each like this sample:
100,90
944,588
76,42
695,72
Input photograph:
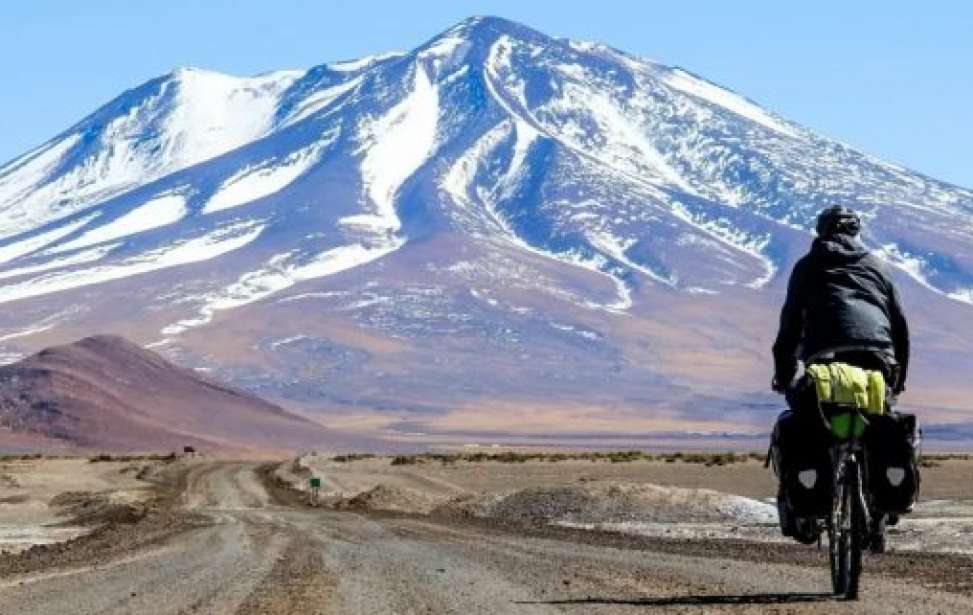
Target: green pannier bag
844,385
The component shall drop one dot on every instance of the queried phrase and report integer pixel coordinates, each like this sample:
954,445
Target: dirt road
249,552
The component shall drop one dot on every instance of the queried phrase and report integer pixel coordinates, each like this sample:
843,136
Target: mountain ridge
105,393
492,194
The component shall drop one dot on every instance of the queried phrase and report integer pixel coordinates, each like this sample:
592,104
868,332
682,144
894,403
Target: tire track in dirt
299,582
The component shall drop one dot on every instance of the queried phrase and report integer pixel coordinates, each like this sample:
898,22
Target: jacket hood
839,248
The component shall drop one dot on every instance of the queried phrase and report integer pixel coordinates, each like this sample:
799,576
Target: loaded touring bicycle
847,470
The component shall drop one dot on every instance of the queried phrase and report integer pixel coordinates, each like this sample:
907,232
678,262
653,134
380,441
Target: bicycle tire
837,535
848,529
859,531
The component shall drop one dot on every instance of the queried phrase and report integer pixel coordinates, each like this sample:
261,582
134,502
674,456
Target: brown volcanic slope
107,393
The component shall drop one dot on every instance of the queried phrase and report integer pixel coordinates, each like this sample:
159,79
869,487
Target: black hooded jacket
840,297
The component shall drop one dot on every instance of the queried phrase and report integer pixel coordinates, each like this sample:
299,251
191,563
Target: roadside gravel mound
88,508
612,503
391,498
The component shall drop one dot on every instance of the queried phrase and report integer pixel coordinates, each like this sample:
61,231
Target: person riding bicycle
842,306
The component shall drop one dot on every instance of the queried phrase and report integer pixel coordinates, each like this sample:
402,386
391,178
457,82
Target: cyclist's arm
900,337
791,327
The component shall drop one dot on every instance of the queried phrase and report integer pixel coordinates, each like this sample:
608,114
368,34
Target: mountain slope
108,394
436,239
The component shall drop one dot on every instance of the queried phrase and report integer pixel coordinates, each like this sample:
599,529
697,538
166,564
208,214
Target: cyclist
841,305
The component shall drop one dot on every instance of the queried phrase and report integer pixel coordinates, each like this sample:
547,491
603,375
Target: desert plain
471,530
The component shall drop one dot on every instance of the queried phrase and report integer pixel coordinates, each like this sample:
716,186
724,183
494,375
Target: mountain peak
182,72
189,73
489,27
488,21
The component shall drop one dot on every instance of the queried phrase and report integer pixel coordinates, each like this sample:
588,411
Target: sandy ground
226,537
28,487
947,480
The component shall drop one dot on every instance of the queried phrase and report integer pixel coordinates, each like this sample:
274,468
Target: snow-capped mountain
495,220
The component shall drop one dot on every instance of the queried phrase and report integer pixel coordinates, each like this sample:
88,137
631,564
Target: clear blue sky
892,78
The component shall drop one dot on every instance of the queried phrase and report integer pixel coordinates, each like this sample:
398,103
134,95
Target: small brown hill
107,393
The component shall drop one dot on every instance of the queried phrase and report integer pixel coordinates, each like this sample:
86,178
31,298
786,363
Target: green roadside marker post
315,488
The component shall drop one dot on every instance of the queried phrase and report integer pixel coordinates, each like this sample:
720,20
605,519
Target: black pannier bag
892,444
801,453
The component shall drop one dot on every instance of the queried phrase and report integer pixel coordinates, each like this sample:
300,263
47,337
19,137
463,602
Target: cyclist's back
841,300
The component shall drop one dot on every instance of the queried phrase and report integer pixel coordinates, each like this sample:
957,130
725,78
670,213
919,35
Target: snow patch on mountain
735,238
460,182
206,247
165,125
915,267
79,258
215,113
320,100
269,177
26,332
690,84
282,272
445,53
444,46
21,177
597,264
908,263
460,179
963,295
622,143
160,211
351,66
584,116
616,248
395,146
23,247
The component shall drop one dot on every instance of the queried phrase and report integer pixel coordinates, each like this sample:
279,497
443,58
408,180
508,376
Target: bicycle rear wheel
837,538
848,531
859,532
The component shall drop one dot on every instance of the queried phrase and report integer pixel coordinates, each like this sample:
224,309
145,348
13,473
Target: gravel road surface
250,549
